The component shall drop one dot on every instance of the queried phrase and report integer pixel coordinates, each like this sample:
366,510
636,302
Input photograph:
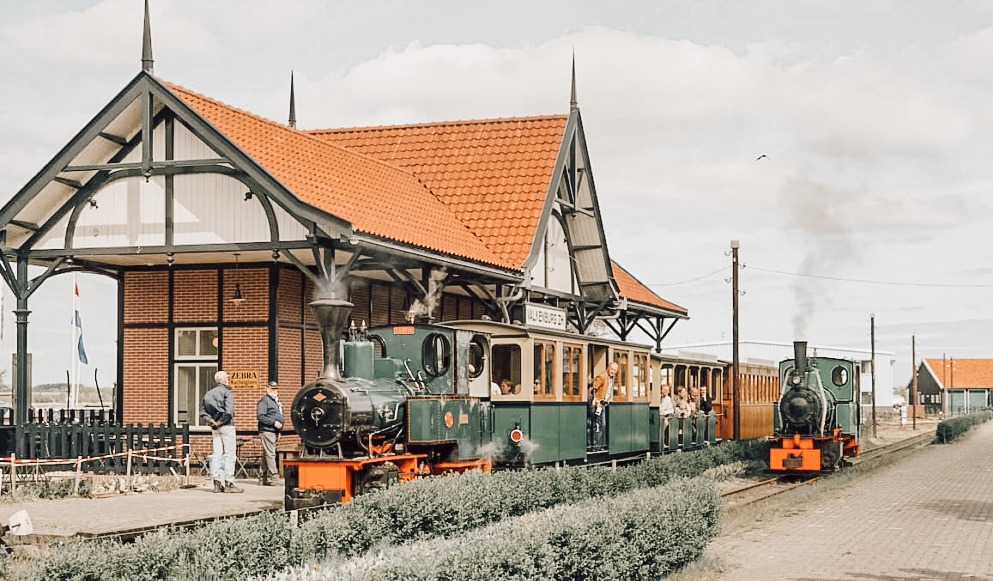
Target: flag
78,322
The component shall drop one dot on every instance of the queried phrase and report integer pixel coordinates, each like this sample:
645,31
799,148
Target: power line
718,271
866,281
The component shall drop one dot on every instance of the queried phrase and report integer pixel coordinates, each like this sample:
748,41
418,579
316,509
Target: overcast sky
875,119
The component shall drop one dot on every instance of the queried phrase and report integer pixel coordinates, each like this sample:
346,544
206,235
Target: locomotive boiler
816,420
396,406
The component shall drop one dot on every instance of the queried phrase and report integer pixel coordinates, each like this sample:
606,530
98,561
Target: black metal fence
94,438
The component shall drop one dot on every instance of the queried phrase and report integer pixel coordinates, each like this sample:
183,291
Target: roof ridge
454,122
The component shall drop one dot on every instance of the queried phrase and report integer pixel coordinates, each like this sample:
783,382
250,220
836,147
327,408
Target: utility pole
872,339
913,363
735,380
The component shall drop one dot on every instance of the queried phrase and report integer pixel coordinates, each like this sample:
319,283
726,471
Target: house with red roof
220,226
953,386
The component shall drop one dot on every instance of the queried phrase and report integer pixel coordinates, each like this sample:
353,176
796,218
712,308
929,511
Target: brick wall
146,376
194,296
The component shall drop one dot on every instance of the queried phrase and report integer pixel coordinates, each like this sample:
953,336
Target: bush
951,429
447,506
438,506
646,534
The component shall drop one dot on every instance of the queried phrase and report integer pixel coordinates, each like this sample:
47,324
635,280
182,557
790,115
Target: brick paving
927,516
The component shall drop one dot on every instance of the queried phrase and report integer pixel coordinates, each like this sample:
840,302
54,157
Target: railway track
765,489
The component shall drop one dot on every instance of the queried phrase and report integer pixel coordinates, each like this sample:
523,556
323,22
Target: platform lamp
237,298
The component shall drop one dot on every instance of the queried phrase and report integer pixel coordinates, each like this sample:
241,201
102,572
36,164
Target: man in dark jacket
270,414
217,412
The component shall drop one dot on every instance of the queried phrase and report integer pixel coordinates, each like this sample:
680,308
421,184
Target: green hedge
953,428
433,507
645,534
452,505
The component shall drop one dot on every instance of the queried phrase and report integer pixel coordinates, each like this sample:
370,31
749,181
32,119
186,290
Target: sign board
544,316
244,378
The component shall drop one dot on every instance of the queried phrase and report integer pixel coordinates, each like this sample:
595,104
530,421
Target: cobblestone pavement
99,516
927,516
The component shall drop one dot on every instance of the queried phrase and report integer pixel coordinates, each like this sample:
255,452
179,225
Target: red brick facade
244,330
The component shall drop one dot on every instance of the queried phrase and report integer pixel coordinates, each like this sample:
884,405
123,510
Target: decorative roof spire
573,103
146,45
293,105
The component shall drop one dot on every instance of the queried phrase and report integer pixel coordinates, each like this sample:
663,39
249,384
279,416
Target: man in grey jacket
270,415
218,413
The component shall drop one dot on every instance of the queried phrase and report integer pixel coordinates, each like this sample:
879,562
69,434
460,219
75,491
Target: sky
845,144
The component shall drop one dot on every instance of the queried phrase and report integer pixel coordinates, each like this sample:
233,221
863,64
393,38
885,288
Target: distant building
772,352
954,386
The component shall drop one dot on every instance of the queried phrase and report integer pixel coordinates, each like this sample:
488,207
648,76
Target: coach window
195,359
436,354
506,368
572,363
621,382
639,376
477,356
544,370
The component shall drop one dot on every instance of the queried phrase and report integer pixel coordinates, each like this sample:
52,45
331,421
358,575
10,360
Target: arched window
436,354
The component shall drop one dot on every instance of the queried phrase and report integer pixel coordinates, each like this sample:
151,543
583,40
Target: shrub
445,506
953,428
645,534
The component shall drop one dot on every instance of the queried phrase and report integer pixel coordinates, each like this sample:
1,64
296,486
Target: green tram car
539,390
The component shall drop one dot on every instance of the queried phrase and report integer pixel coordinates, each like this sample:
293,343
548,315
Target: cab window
436,354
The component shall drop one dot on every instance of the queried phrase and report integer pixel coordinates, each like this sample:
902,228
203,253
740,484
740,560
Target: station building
220,227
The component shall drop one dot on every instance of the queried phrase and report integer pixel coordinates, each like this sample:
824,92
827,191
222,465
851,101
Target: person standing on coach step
270,414
218,413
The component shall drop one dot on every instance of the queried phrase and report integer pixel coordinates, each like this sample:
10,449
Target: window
621,381
436,354
572,363
477,356
544,370
506,370
195,366
839,376
639,376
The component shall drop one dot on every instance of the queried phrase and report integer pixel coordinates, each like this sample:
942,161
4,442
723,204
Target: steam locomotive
816,421
385,419
410,400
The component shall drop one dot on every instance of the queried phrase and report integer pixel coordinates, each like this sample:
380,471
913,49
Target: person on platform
270,415
218,413
602,392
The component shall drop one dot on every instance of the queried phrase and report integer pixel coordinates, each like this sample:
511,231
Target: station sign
545,317
244,378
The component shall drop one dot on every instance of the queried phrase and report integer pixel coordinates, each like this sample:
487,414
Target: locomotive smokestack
800,355
331,315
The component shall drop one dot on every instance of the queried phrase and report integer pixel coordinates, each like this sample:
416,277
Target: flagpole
73,370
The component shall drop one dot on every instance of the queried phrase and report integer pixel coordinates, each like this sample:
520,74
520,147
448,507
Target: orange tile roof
492,174
375,197
959,373
633,290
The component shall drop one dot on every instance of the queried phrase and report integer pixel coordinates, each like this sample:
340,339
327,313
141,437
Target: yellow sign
244,378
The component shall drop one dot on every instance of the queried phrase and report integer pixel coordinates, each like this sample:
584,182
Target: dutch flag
78,322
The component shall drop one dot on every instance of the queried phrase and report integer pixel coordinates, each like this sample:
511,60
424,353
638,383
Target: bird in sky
761,157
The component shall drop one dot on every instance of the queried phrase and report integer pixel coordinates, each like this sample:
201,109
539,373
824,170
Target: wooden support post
13,474
79,475
127,474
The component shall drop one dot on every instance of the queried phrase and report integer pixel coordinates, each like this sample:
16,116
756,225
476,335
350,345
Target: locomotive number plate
792,462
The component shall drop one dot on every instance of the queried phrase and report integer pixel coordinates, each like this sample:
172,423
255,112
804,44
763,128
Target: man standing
270,415
218,413
603,392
